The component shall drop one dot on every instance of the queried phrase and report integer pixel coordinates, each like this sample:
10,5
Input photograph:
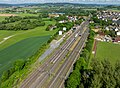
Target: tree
85,54
19,64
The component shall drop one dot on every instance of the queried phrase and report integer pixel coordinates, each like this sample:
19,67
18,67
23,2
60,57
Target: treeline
101,22
68,25
62,17
21,23
60,26
111,33
102,75
18,18
74,80
17,66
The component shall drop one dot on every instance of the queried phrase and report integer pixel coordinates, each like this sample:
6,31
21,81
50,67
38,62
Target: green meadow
2,18
20,50
108,51
20,35
22,44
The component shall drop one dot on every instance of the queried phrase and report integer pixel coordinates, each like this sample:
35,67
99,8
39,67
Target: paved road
40,77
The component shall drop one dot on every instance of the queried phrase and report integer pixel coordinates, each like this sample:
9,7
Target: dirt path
6,38
95,47
6,15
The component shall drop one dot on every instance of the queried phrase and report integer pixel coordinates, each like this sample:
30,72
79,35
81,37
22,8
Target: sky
55,1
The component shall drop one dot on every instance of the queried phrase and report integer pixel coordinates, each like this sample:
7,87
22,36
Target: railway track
58,80
39,76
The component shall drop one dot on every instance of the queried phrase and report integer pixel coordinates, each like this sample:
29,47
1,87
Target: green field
20,35
23,44
20,50
20,14
114,10
26,14
108,51
2,18
92,9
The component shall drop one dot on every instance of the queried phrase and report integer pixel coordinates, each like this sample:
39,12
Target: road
59,64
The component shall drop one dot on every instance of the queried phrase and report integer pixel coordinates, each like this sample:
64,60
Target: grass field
23,44
114,10
26,14
91,9
20,35
2,18
108,51
20,14
20,50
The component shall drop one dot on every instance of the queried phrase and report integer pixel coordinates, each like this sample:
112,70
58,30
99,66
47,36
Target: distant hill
51,4
5,5
65,4
10,5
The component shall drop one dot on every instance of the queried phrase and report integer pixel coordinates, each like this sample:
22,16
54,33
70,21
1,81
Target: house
99,38
107,28
118,22
116,29
64,28
107,38
60,32
118,33
117,40
62,21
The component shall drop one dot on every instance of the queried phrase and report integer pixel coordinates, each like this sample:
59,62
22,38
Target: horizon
60,1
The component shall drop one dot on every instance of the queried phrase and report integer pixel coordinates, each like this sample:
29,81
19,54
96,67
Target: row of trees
17,66
68,25
12,19
22,25
111,33
101,22
102,75
74,80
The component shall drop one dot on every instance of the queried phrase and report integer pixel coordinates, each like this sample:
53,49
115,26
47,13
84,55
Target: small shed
60,32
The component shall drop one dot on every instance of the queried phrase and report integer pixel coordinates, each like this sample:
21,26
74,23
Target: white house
116,29
118,33
62,21
64,28
60,32
107,28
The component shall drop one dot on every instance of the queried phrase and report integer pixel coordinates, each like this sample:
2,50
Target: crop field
20,35
3,15
108,51
20,50
4,34
22,45
7,15
26,14
114,10
92,9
